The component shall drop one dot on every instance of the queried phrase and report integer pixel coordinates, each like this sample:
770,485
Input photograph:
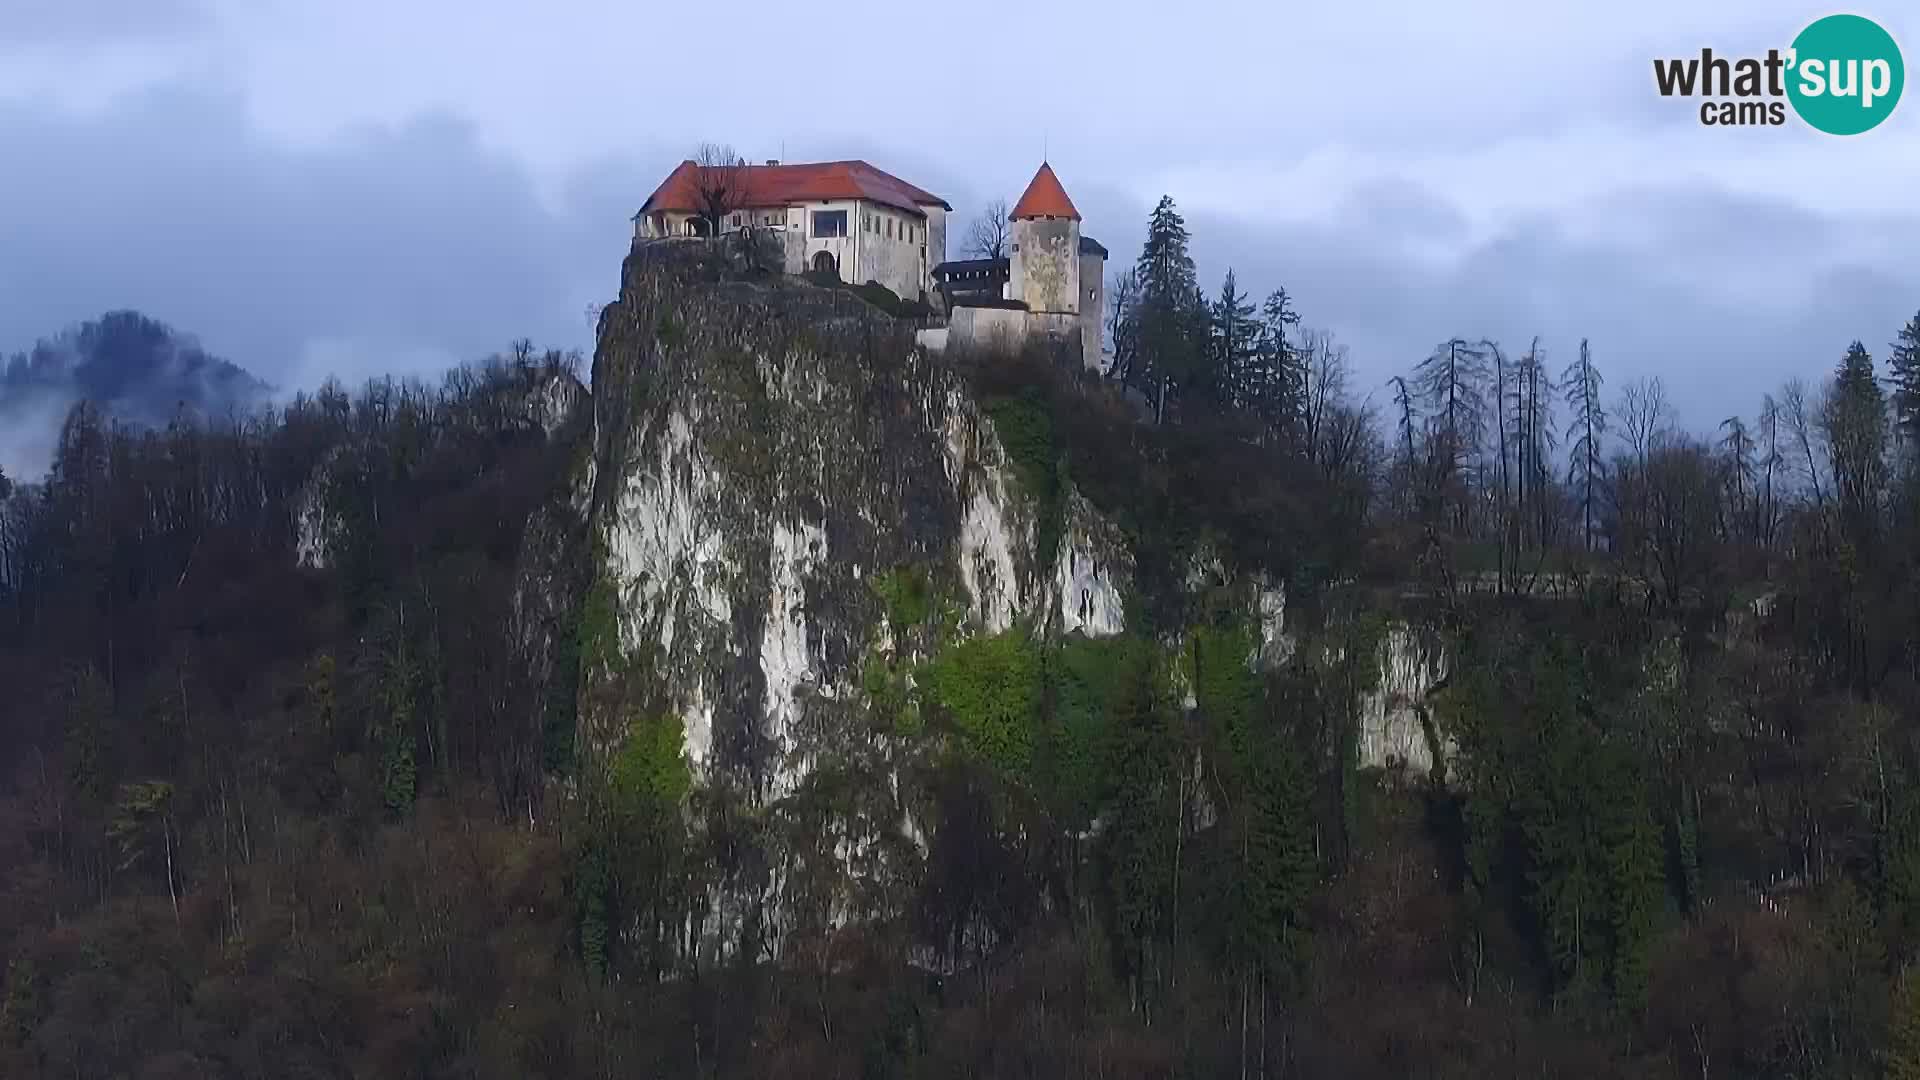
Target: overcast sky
358,186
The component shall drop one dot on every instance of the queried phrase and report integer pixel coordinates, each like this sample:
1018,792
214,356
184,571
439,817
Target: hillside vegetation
326,754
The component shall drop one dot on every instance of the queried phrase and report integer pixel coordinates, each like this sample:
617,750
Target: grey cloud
411,238
1762,312
401,248
93,22
413,245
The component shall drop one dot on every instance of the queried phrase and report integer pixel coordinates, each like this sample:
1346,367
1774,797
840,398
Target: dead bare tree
1123,323
988,234
1324,394
719,185
1645,414
1801,429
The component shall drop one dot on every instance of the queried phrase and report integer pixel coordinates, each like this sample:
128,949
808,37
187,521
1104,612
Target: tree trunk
173,888
1263,1025
1243,1024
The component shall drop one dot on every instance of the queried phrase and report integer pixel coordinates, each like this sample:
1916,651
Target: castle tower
1043,268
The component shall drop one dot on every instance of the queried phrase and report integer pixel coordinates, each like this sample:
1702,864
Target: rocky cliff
785,495
769,461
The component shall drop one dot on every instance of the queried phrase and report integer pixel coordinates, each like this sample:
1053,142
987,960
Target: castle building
862,224
1051,281
846,218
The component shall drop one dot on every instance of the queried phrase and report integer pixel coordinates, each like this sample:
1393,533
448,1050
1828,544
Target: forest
262,817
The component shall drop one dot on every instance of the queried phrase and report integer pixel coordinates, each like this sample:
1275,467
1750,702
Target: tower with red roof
1044,261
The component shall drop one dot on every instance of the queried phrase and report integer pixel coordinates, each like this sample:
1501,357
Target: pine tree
1530,406
1280,383
1631,855
1855,420
1139,842
1168,284
1272,872
1453,382
1279,861
1903,371
1236,338
1206,374
1588,426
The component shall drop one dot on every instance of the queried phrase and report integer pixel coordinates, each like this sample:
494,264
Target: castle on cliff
862,224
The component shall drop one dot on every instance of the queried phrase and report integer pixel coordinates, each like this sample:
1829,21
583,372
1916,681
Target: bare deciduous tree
1800,429
987,235
1589,424
1645,414
1325,373
1767,512
1683,500
719,184
1123,297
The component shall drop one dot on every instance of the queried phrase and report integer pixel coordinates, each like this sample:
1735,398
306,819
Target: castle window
827,223
889,228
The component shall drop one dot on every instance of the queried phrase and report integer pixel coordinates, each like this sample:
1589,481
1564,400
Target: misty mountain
137,369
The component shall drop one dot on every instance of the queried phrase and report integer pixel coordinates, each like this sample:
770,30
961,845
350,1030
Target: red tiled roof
783,185
1045,198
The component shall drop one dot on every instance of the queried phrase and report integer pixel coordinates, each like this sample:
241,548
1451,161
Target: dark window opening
829,223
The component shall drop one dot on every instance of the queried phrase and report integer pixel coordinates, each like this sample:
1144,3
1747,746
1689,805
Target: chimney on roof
773,161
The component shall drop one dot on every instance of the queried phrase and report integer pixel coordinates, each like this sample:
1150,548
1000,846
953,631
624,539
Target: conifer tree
1139,842
1632,859
1453,382
1530,406
1206,373
1236,339
1587,427
1168,285
1854,417
1903,371
1281,375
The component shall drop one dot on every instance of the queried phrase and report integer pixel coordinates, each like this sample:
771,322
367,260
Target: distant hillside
137,369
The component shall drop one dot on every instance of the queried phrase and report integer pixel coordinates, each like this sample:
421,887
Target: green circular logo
1845,74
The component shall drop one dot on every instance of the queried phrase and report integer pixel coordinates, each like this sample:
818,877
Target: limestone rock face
768,462
1395,724
766,459
764,455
